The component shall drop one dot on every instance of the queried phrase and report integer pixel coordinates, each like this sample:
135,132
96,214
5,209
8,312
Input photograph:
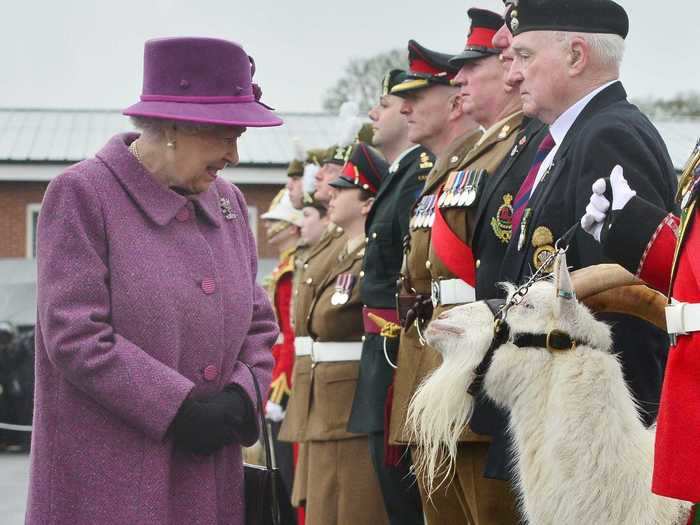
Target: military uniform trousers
293,427
335,471
470,498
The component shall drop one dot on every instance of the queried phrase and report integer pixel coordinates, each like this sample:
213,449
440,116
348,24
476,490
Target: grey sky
88,53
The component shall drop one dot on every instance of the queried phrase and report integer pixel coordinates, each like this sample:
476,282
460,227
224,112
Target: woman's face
312,225
345,206
197,158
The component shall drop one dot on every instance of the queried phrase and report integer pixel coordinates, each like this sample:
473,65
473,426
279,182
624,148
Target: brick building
36,145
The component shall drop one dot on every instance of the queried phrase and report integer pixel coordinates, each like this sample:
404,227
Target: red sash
452,251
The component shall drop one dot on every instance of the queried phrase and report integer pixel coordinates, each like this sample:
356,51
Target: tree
362,80
682,105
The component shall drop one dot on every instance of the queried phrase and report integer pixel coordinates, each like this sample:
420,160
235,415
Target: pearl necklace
134,150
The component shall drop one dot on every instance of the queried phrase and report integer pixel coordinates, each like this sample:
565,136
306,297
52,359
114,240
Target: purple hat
204,80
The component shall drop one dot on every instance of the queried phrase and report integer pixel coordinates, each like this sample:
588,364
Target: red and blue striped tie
523,196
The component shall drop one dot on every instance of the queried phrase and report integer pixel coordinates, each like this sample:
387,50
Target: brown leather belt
388,314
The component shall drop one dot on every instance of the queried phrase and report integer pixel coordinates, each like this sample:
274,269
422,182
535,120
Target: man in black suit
566,61
385,227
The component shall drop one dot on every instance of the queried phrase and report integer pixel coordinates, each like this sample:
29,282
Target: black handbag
266,498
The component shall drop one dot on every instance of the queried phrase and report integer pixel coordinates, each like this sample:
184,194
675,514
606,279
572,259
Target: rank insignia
543,243
343,287
502,223
425,162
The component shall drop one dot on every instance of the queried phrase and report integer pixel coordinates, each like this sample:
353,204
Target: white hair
607,49
156,126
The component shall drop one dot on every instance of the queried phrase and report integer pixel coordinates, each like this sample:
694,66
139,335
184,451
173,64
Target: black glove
203,426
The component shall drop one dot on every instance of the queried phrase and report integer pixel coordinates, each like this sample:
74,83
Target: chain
521,292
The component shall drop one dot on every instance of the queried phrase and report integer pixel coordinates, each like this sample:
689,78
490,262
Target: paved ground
14,474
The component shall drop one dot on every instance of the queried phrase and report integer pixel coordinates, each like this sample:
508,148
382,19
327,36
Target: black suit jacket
608,131
386,226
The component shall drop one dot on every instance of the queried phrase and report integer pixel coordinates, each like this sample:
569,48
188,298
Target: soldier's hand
274,412
599,205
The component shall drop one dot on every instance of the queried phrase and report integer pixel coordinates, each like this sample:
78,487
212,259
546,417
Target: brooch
227,209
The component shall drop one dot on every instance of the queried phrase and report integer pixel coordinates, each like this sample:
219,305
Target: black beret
580,16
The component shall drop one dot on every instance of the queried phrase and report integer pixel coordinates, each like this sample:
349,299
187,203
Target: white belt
682,318
331,352
452,291
302,346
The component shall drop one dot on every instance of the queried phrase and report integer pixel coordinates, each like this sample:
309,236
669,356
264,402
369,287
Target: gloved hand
203,426
274,412
598,205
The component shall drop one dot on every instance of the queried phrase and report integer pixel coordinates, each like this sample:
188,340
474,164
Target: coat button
210,373
374,235
362,273
183,215
208,285
428,264
478,263
309,280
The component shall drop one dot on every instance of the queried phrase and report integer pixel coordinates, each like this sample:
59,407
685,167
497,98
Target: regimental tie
523,196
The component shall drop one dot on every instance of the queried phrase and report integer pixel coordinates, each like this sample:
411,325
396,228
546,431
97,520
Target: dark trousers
284,456
399,488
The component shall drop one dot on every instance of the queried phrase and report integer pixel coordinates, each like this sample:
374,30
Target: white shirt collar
395,165
561,126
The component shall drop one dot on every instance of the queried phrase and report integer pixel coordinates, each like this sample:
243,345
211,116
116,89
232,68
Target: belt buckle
435,293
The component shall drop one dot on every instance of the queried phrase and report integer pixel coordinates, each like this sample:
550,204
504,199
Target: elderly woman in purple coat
149,314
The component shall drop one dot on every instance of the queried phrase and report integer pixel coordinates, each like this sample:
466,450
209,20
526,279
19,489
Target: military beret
391,79
309,201
366,133
364,169
314,156
335,155
426,68
579,16
484,25
295,168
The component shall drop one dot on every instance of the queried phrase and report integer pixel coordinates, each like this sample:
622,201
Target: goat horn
612,289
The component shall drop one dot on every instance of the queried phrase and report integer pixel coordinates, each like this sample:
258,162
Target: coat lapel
613,93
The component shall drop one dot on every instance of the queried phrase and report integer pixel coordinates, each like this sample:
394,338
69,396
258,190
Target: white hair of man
607,49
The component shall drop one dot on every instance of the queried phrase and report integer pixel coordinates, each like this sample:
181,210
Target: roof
66,135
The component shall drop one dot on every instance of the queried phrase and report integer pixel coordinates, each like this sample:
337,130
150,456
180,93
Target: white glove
274,412
598,206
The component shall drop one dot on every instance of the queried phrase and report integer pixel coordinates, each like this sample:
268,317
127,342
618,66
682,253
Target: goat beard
439,412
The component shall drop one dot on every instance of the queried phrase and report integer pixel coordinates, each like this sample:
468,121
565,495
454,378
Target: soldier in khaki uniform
470,497
446,266
340,485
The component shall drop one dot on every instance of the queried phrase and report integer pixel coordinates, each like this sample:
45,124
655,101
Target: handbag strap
263,423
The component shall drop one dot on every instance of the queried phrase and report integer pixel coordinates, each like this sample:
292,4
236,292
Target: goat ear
566,296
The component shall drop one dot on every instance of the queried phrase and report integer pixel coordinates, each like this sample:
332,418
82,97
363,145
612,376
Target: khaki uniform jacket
334,384
415,361
319,261
414,267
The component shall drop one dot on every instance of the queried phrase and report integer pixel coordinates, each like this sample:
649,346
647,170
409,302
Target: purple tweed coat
145,297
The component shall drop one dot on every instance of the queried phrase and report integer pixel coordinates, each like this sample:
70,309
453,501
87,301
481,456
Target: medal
447,189
343,286
543,243
457,188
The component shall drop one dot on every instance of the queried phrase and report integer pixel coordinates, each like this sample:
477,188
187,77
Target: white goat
582,455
